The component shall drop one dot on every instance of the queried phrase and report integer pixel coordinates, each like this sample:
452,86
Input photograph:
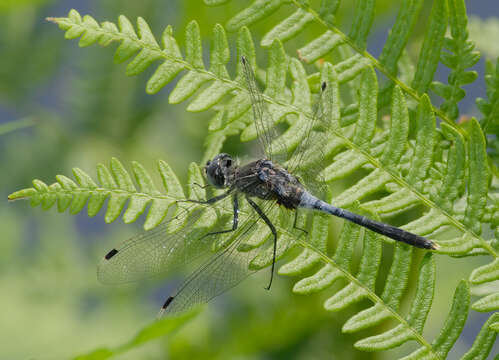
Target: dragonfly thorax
220,170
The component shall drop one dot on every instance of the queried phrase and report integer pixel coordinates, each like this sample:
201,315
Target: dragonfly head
219,170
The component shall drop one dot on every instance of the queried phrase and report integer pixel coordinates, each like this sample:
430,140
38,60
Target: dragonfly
264,184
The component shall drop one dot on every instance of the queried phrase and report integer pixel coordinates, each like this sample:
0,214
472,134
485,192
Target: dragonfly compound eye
215,173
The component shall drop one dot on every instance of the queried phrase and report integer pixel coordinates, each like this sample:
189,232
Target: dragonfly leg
201,186
295,221
274,232
210,200
235,219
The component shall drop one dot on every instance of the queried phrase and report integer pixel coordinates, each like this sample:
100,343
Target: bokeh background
63,107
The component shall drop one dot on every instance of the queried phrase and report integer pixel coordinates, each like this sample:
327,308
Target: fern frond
418,177
445,171
333,36
361,285
257,10
363,20
432,45
416,318
116,185
484,341
454,324
288,28
399,34
142,44
485,274
460,56
490,107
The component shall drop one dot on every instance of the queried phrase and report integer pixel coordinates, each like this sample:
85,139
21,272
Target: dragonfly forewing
163,249
265,117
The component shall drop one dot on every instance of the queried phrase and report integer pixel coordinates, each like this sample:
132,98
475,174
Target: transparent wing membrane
159,250
273,148
223,270
220,273
316,135
308,159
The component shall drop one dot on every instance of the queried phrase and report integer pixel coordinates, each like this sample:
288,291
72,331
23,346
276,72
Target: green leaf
452,328
399,34
425,143
149,333
167,71
487,303
461,56
399,130
320,46
366,124
363,19
395,286
368,271
327,275
454,323
416,317
452,184
114,183
257,10
478,178
486,273
432,45
288,28
484,341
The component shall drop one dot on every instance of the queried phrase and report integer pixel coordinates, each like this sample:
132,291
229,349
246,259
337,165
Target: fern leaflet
461,56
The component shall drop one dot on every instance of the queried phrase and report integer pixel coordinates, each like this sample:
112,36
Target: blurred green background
75,108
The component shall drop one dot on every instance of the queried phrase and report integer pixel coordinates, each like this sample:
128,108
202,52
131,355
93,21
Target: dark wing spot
323,86
167,302
110,254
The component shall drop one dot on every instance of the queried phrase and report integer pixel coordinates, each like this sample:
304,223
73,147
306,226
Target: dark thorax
269,181
261,178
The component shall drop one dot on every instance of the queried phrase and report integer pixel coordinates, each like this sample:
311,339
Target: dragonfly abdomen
395,233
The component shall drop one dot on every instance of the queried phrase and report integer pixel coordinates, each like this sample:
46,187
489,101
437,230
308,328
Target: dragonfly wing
223,270
156,251
221,273
308,158
273,148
